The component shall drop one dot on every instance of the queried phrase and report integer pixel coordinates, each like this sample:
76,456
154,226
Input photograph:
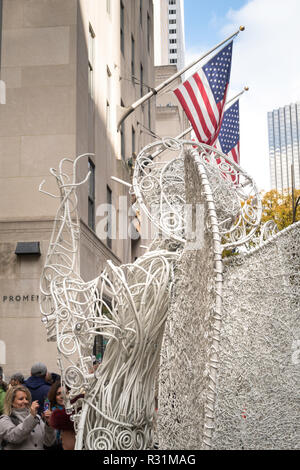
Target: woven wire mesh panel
185,354
184,369
254,404
257,405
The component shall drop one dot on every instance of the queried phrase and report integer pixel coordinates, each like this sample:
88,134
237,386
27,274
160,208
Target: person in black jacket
37,384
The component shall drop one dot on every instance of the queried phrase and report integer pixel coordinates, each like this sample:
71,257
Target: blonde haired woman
21,428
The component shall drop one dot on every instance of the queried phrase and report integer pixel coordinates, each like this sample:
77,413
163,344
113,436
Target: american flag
229,136
203,95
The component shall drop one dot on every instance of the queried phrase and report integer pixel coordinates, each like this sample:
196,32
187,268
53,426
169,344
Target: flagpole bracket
122,114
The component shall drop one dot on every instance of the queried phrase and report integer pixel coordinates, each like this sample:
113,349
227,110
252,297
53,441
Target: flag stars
217,70
214,77
229,133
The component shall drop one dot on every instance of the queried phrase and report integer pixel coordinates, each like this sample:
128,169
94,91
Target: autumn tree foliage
278,206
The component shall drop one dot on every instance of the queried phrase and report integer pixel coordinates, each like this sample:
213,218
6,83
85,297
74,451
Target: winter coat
2,396
39,389
30,434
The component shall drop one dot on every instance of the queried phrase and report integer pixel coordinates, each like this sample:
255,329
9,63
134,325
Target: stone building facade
67,66
171,120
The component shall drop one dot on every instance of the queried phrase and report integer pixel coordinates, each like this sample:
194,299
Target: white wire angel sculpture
118,408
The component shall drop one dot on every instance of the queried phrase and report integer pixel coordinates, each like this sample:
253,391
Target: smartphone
46,405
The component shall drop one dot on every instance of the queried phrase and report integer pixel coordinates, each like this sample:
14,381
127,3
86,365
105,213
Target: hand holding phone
46,404
34,408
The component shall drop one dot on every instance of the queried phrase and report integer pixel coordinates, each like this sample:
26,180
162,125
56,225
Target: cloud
194,53
265,58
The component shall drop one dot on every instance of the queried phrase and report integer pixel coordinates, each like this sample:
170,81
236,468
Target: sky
266,58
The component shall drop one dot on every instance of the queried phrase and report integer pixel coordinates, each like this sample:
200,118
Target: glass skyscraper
284,146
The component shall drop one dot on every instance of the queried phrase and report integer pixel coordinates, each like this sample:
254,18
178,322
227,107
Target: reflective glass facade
284,146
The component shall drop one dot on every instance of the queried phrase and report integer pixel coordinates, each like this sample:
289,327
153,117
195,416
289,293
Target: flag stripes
203,95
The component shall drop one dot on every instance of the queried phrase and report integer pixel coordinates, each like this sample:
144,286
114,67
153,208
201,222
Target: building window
91,60
91,196
173,41
172,12
149,115
172,31
109,217
91,90
122,132
173,51
148,32
99,347
173,61
172,21
141,79
107,115
122,31
133,139
172,2
100,342
132,58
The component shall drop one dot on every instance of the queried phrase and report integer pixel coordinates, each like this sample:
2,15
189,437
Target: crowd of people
32,412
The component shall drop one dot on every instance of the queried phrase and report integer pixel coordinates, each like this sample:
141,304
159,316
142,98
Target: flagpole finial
246,88
242,28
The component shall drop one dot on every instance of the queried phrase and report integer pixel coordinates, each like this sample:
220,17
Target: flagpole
178,137
124,112
121,181
239,94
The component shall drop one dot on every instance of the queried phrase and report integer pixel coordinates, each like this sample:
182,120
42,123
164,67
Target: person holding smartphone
59,419
21,428
54,401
